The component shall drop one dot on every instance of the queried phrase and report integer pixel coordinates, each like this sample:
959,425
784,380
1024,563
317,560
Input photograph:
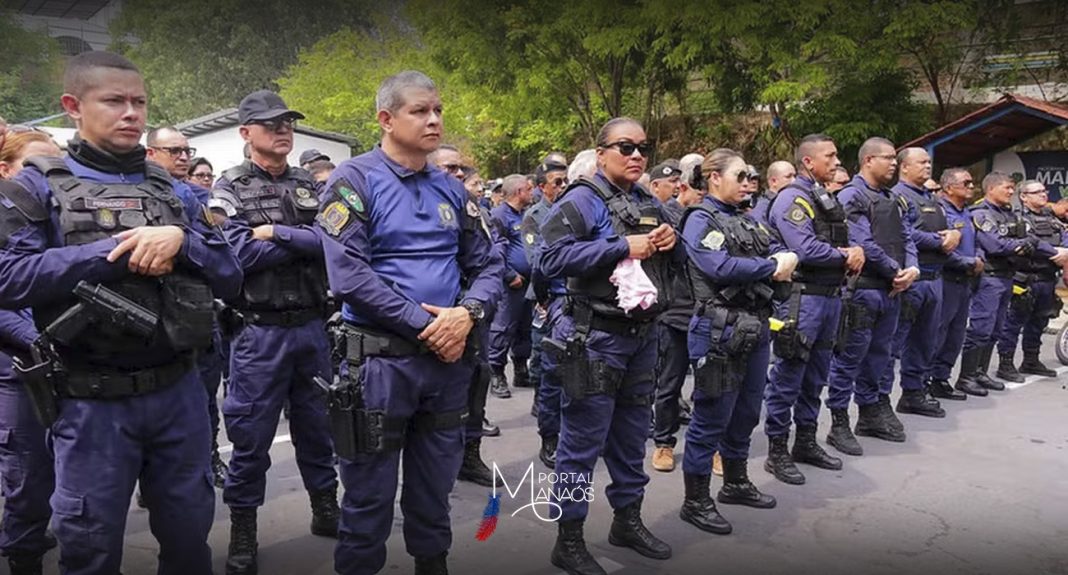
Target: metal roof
990,129
72,9
227,118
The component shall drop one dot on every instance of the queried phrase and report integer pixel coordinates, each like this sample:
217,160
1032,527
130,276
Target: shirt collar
401,171
717,205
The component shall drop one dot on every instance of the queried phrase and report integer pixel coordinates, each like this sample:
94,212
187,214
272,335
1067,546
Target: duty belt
587,319
361,342
1001,273
113,384
871,282
956,277
286,318
819,289
929,275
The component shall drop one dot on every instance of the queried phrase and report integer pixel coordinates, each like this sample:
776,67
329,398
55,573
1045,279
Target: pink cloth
634,286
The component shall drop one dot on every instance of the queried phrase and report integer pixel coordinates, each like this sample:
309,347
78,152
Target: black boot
888,415
520,372
969,365
872,423
779,463
698,508
941,389
241,557
841,436
547,453
808,450
570,553
21,564
435,565
473,469
1006,370
218,468
499,384
917,402
738,490
1032,365
489,429
325,513
629,531
981,376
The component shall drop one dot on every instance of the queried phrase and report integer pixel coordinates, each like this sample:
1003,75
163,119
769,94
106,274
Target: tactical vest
884,215
628,218
1009,225
743,238
931,217
91,211
1045,226
300,285
829,221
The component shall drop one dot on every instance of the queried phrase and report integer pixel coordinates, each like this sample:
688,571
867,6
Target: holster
854,316
789,342
1056,306
572,364
38,380
715,374
1023,299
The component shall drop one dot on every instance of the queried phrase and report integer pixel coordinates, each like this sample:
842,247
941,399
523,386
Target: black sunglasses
453,168
276,124
627,148
559,182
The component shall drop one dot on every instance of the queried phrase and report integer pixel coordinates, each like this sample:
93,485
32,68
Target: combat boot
499,384
1007,370
738,490
435,565
872,423
917,402
981,376
325,513
241,556
941,389
473,469
969,365
1032,365
547,453
808,450
887,413
25,564
628,531
520,373
570,553
780,464
841,436
698,508
218,468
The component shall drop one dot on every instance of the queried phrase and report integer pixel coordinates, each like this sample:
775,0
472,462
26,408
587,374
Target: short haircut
583,166
1022,186
76,78
320,166
153,136
390,96
778,168
951,176
606,129
994,179
807,146
199,161
841,169
513,184
687,165
903,155
870,145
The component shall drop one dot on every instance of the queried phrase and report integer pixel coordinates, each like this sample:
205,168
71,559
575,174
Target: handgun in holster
1023,298
573,364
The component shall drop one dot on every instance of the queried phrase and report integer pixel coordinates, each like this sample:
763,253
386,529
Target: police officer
510,329
283,344
806,219
672,353
959,275
608,355
780,174
131,406
921,305
731,272
398,238
890,267
664,180
1001,234
551,178
1032,310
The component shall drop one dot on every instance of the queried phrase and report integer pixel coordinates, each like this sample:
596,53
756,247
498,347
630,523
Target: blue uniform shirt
509,221
721,267
963,258
17,334
924,240
800,236
537,214
991,237
875,259
401,238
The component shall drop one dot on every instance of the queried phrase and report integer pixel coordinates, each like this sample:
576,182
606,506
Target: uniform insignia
958,225
447,215
1003,230
334,218
472,209
797,214
530,239
986,226
306,199
105,218
113,204
929,209
713,240
132,219
344,190
648,221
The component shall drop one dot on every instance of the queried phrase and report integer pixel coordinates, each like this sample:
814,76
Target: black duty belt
819,289
621,326
870,282
362,342
287,318
929,275
1000,273
113,384
956,277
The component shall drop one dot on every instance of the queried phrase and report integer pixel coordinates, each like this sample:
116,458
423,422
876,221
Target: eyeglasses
453,168
627,148
560,182
967,183
176,150
742,176
276,124
1043,191
202,175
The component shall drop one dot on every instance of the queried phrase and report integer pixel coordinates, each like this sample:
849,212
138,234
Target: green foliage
30,72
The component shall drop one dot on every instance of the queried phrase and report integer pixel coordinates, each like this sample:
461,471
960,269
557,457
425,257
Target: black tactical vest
829,222
259,201
1045,226
743,237
91,211
628,218
930,217
884,215
1010,225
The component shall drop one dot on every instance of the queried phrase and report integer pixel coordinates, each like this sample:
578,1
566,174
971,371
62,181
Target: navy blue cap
264,105
309,156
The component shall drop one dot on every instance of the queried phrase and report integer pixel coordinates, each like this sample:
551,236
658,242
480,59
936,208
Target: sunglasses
559,182
743,176
276,124
453,168
176,151
627,148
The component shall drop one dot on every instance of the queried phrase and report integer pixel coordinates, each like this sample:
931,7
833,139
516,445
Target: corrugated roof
227,118
73,9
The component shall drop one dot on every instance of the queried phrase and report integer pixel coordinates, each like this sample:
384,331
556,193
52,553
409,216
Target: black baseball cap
264,105
309,156
665,170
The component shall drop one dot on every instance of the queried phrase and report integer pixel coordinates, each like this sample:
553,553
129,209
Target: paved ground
984,490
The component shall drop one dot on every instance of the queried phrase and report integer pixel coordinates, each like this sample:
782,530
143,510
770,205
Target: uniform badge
334,218
958,225
447,215
344,190
648,221
796,214
306,199
1003,230
530,239
713,240
105,218
986,226
472,209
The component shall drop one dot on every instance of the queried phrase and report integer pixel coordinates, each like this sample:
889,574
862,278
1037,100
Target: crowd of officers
379,301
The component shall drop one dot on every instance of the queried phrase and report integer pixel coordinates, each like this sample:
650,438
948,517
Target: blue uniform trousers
402,387
103,447
986,314
856,370
510,329
26,466
269,365
476,396
671,368
549,393
948,339
612,426
210,363
1032,322
915,332
795,385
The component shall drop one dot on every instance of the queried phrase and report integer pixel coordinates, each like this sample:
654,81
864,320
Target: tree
30,72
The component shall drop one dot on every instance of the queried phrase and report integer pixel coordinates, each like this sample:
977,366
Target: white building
78,25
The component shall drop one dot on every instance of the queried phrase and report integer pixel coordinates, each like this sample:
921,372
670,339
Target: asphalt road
984,490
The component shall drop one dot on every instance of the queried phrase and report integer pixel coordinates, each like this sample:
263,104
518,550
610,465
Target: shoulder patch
713,240
472,209
796,214
334,218
344,190
985,225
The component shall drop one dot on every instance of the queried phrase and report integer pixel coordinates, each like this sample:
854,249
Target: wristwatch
475,310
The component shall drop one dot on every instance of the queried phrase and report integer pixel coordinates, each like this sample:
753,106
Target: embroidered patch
472,209
105,218
448,217
530,239
713,240
986,226
1003,230
334,218
648,221
306,199
347,192
797,215
113,204
958,225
